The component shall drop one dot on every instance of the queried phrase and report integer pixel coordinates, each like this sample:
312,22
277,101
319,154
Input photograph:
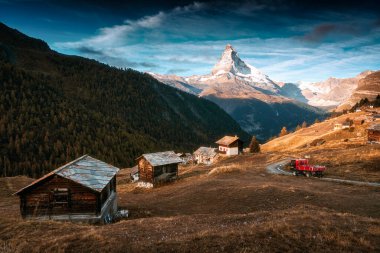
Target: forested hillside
54,108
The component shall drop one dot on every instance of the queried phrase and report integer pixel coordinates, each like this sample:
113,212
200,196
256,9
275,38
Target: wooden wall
106,192
373,135
145,171
39,200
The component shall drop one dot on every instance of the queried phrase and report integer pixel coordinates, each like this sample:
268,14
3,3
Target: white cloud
119,35
147,21
163,43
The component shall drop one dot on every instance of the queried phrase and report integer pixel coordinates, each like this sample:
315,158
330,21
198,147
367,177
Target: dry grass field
345,153
232,206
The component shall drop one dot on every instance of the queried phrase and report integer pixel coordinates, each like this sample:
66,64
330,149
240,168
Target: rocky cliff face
368,87
331,92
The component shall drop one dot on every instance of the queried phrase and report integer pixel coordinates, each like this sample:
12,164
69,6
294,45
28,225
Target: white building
230,145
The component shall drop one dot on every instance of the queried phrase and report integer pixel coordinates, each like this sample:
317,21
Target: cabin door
60,200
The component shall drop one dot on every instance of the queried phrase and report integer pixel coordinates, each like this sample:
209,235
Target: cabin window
61,196
222,148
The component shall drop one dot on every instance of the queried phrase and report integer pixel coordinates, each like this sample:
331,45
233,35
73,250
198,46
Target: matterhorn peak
231,64
229,47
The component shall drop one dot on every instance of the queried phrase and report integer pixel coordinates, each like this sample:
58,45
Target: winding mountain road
276,168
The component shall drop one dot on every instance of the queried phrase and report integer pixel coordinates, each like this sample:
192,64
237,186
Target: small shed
373,133
82,190
156,168
346,125
205,155
230,145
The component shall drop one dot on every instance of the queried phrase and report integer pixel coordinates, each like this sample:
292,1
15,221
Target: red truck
302,167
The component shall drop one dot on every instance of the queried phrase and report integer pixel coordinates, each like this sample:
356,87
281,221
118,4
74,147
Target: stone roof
86,171
162,158
205,151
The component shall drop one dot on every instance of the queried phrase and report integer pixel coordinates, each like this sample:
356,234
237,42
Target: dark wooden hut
155,168
373,133
82,190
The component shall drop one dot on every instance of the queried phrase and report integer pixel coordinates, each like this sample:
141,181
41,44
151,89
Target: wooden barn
205,155
373,133
82,190
156,168
230,145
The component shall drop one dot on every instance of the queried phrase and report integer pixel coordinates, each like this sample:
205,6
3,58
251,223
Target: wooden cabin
230,145
373,133
156,168
82,190
346,125
205,155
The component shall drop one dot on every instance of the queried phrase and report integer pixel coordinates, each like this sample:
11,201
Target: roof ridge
159,152
70,163
101,161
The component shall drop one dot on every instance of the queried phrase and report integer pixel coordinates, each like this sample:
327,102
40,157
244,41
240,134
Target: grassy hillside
345,152
54,108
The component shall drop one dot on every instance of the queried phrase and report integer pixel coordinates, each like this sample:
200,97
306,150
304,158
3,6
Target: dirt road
276,168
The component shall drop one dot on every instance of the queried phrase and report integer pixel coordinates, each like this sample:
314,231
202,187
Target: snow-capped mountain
230,64
231,77
256,102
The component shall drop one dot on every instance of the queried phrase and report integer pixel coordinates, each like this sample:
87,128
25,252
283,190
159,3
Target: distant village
85,189
370,116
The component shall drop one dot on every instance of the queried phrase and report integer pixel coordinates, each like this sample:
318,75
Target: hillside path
276,168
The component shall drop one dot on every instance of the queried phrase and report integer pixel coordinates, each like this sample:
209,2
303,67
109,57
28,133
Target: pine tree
254,146
284,131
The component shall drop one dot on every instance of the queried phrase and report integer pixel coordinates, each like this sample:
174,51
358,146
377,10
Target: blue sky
288,40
